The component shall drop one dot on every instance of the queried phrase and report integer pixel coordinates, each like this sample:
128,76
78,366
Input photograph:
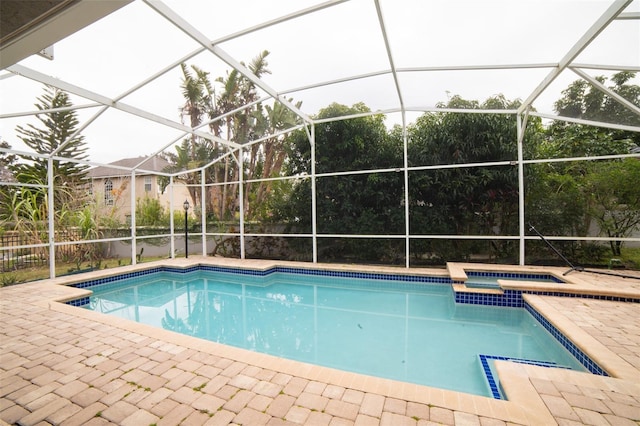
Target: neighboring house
111,186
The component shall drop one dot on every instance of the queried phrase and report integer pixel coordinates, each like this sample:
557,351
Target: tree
6,163
569,140
584,101
560,195
267,158
467,200
368,203
614,194
58,134
243,120
194,151
240,125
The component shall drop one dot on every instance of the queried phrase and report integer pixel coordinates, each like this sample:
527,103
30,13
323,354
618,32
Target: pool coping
484,297
572,285
524,405
511,410
602,357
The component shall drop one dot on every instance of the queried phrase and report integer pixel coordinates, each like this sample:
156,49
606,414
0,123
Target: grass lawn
42,272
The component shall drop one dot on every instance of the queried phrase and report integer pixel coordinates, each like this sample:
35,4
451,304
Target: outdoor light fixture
186,229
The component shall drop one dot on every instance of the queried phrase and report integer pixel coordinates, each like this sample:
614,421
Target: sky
116,53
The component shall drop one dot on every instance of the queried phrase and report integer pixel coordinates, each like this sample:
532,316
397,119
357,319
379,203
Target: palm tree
238,92
194,151
239,125
267,158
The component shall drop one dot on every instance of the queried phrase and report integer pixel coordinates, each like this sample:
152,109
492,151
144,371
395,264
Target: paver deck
70,366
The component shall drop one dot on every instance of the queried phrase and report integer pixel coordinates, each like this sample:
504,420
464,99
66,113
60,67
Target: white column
314,228
241,196
51,219
134,249
521,123
172,247
203,213
405,155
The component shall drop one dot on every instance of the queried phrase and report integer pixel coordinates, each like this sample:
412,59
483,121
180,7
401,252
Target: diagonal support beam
606,90
87,94
394,71
607,17
192,32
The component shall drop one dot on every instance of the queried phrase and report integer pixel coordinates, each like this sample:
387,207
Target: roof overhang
28,27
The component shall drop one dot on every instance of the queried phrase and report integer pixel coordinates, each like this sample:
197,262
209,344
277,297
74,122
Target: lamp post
186,229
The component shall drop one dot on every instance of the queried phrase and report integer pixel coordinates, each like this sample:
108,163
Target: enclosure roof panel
123,65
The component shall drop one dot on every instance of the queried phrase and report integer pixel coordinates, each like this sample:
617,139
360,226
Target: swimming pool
400,329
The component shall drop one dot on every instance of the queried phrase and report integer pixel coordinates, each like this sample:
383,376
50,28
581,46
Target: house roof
122,167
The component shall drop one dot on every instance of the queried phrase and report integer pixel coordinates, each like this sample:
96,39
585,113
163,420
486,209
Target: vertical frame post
203,213
51,219
521,124
172,246
314,225
241,196
134,245
405,165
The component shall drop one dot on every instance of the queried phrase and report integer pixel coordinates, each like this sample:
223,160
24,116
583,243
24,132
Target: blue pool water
408,331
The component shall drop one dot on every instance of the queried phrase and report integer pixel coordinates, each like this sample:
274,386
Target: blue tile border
513,298
492,381
568,344
79,302
407,280
264,273
113,278
509,298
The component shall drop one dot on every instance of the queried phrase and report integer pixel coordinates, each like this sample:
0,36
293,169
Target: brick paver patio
68,366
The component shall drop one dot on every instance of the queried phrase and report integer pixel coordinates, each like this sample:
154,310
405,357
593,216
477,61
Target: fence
12,259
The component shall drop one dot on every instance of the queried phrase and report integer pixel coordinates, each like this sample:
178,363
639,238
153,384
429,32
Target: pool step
492,380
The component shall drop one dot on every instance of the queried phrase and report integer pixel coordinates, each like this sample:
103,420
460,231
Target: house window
108,192
147,184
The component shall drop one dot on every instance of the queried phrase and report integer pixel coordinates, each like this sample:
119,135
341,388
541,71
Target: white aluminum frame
615,11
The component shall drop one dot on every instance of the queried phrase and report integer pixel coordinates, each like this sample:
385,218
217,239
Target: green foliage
57,134
555,201
26,211
631,257
149,212
178,220
7,279
240,124
567,198
349,204
614,196
583,100
86,221
468,200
